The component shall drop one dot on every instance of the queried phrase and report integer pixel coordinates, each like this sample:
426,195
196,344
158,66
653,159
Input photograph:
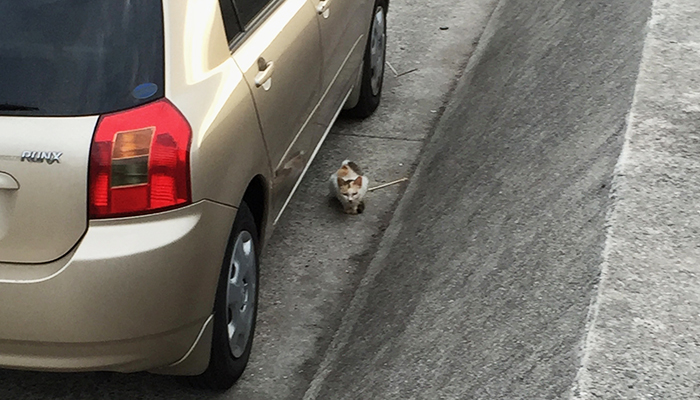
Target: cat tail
333,185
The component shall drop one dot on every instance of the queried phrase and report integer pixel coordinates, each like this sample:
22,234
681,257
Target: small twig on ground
392,69
407,72
383,185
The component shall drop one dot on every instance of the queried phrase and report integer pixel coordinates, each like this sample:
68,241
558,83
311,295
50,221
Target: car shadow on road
96,385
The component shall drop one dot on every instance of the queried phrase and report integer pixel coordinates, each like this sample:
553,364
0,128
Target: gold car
147,149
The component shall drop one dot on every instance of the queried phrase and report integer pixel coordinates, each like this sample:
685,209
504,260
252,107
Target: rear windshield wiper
16,107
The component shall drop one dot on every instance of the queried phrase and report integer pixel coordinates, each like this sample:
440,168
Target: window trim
254,24
230,23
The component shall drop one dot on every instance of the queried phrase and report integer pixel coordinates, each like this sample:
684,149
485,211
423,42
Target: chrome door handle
7,182
265,74
323,6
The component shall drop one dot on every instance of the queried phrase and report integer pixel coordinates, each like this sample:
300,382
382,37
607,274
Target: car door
280,57
344,27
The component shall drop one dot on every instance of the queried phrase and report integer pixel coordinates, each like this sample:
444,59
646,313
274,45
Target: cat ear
358,181
341,182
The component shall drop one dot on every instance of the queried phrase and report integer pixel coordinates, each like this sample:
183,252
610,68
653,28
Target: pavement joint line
352,313
577,390
588,338
379,137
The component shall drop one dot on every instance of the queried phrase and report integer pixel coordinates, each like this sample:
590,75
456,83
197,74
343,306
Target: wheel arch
256,197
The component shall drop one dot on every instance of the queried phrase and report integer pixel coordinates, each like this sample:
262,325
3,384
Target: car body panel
110,290
289,39
342,23
46,216
202,80
138,354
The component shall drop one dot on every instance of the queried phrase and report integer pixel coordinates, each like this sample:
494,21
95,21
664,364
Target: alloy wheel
377,49
240,293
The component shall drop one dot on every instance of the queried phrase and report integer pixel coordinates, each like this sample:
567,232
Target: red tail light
139,161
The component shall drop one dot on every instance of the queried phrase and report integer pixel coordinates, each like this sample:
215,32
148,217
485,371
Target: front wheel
235,306
372,65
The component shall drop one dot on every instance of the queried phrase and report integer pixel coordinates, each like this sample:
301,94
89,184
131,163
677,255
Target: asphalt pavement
482,285
643,339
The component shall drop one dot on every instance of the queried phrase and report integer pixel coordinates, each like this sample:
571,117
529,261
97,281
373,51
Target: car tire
372,65
235,306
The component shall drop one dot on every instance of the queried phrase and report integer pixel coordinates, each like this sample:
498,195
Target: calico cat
349,186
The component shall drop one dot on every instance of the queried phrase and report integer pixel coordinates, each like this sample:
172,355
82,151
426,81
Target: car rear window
79,57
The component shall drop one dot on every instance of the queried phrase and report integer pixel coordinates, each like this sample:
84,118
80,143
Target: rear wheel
235,307
372,65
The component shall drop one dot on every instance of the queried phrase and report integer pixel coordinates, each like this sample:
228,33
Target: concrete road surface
545,247
482,285
643,339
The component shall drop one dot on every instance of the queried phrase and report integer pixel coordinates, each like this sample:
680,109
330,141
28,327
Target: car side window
228,13
248,9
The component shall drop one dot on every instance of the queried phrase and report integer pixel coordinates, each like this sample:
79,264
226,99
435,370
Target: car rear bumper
133,295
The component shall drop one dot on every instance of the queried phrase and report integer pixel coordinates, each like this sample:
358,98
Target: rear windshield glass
79,57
